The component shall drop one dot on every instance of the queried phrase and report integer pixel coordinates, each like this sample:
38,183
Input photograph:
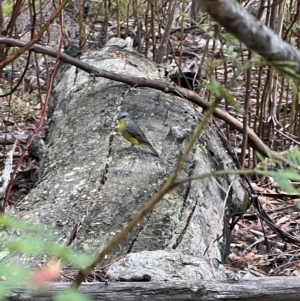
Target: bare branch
257,36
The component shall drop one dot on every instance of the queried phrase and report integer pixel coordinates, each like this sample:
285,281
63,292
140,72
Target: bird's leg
131,147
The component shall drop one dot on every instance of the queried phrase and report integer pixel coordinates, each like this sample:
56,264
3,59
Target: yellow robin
131,131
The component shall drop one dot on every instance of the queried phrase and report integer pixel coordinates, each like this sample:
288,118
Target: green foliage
7,7
208,29
3,291
286,68
36,240
220,92
33,245
11,277
26,110
70,295
7,222
211,64
13,273
228,37
284,176
12,107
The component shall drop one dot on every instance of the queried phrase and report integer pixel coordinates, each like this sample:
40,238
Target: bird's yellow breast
122,126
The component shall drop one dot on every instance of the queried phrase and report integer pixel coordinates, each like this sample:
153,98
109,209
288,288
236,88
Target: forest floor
255,246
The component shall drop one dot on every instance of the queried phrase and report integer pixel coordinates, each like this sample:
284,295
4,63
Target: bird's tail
153,150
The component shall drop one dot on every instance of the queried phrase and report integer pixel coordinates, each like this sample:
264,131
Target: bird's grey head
123,116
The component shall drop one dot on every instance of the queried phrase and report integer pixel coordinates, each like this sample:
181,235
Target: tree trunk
91,184
251,289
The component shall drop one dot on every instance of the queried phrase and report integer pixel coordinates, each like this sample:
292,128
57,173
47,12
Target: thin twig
169,185
36,130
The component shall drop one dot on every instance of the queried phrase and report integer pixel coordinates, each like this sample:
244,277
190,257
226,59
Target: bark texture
91,184
251,289
257,36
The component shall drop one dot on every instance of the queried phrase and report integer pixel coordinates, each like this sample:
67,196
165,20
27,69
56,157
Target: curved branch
257,36
254,141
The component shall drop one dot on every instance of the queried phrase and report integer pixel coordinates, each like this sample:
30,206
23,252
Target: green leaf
293,156
79,259
14,273
4,289
29,245
282,178
68,255
220,92
71,295
7,222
